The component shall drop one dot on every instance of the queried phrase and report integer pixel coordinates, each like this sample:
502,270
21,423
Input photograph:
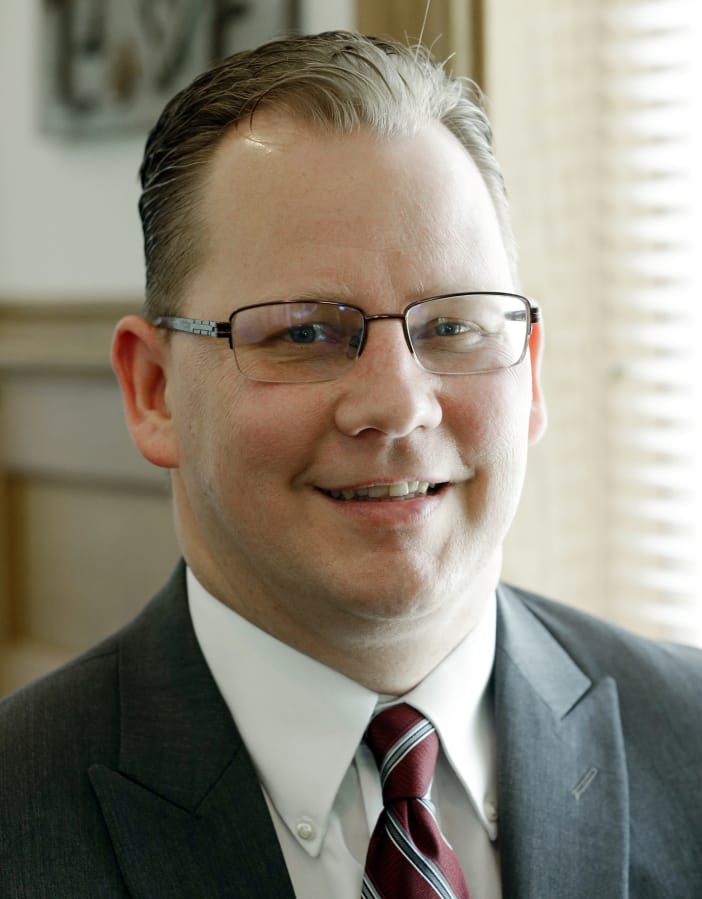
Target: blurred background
597,115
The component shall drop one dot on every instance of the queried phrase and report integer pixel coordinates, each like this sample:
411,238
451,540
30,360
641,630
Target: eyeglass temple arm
194,326
534,315
209,328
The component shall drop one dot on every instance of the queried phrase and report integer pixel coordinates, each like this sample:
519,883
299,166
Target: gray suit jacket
123,774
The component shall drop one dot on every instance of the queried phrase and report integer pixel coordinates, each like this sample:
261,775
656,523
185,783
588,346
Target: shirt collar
281,697
455,697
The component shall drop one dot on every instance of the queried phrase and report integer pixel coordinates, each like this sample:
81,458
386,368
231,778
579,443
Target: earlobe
538,417
139,356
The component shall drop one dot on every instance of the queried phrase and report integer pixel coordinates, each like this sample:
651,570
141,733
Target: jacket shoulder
594,642
51,733
646,696
659,683
77,700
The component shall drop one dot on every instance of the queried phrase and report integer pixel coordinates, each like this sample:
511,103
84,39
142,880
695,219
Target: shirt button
490,810
305,830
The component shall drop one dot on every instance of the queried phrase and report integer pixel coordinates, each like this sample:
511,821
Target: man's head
358,518
337,82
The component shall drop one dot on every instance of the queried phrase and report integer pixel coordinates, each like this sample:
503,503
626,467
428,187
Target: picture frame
111,65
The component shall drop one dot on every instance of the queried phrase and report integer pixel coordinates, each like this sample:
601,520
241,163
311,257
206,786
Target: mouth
396,492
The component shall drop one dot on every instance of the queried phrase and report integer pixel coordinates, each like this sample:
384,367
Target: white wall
326,15
69,227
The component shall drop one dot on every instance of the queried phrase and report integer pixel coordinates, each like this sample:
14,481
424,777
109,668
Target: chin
395,601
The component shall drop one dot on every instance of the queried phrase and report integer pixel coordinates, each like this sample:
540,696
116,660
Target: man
346,461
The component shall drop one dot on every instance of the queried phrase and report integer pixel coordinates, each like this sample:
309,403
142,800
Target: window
598,120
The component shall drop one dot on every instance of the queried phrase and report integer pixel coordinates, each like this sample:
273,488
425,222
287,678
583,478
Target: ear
139,358
538,417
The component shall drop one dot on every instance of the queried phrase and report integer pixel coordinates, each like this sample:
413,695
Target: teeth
398,490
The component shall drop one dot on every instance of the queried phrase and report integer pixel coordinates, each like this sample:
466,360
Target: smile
401,490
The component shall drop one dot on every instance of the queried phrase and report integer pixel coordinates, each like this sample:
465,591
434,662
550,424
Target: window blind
597,110
652,290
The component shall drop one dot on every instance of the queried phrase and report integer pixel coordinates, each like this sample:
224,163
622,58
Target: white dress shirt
303,725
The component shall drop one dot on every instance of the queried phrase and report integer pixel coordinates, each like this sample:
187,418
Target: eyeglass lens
319,341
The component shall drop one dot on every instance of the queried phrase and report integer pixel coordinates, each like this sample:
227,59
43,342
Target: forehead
290,208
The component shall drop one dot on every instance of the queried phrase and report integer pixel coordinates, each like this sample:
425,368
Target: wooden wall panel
88,554
86,532
453,28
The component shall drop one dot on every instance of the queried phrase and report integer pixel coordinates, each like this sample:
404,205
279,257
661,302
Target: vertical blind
597,109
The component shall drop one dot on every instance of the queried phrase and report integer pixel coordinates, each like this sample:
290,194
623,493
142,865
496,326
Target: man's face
264,470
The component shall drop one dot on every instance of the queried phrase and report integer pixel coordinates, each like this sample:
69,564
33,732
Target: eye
308,333
450,328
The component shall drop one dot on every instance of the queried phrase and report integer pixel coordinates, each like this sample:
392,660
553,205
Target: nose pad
356,343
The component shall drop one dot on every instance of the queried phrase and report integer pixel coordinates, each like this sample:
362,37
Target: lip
385,491
387,511
381,482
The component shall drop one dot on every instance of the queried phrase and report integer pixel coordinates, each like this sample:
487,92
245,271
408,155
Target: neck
385,655
393,657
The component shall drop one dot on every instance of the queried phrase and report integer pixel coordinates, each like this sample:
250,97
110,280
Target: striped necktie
407,855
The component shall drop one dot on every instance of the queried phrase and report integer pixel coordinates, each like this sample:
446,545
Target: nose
386,391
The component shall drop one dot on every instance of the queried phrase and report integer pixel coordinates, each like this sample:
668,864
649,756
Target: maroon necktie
407,855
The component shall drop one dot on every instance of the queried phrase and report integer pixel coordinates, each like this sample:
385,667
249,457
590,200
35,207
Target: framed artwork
110,65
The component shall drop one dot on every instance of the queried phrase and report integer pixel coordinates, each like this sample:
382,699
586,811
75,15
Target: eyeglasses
319,340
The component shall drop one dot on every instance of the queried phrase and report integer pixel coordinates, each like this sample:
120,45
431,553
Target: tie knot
405,746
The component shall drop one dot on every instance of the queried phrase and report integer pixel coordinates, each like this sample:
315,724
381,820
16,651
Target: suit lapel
183,805
186,815
561,767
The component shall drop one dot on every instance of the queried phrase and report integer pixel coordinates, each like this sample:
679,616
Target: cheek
269,432
505,441
209,433
494,441
492,417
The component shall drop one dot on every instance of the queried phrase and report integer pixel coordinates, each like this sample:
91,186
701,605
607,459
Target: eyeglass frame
209,328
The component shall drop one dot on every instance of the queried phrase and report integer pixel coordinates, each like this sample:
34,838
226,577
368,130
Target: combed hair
336,81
